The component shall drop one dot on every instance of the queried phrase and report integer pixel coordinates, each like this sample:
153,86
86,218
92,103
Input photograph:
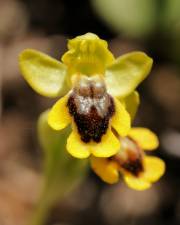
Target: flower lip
130,158
91,107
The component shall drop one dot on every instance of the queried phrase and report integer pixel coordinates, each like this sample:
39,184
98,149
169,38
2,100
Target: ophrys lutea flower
89,80
138,169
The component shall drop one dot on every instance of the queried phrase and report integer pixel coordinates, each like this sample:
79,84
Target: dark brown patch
130,158
134,167
91,108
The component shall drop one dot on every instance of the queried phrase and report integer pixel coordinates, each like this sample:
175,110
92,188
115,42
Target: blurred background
152,26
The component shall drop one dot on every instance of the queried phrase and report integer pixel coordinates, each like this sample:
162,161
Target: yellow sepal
126,73
87,54
47,76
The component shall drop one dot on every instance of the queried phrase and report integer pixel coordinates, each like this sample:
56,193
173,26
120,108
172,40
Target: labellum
91,107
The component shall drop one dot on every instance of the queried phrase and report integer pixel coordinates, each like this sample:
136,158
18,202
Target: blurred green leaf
171,15
62,172
136,18
171,24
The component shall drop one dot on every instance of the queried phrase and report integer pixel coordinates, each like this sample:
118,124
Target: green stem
41,212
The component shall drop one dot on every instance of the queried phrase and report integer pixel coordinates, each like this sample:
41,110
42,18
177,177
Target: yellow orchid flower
138,169
91,80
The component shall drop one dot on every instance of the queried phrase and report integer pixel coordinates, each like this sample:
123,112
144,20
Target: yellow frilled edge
59,118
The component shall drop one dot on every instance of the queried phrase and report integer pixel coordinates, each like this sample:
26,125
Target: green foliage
139,18
134,18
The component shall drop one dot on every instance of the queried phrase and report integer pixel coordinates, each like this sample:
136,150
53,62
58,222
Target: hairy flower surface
92,113
138,169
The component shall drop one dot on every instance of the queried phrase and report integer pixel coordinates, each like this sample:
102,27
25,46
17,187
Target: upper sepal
47,76
87,54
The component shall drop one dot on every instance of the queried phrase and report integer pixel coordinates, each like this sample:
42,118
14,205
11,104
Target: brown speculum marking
91,107
130,157
134,167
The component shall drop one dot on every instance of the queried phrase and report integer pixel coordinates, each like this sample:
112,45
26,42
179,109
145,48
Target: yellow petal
136,183
144,137
108,146
76,147
59,117
121,121
107,170
154,168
